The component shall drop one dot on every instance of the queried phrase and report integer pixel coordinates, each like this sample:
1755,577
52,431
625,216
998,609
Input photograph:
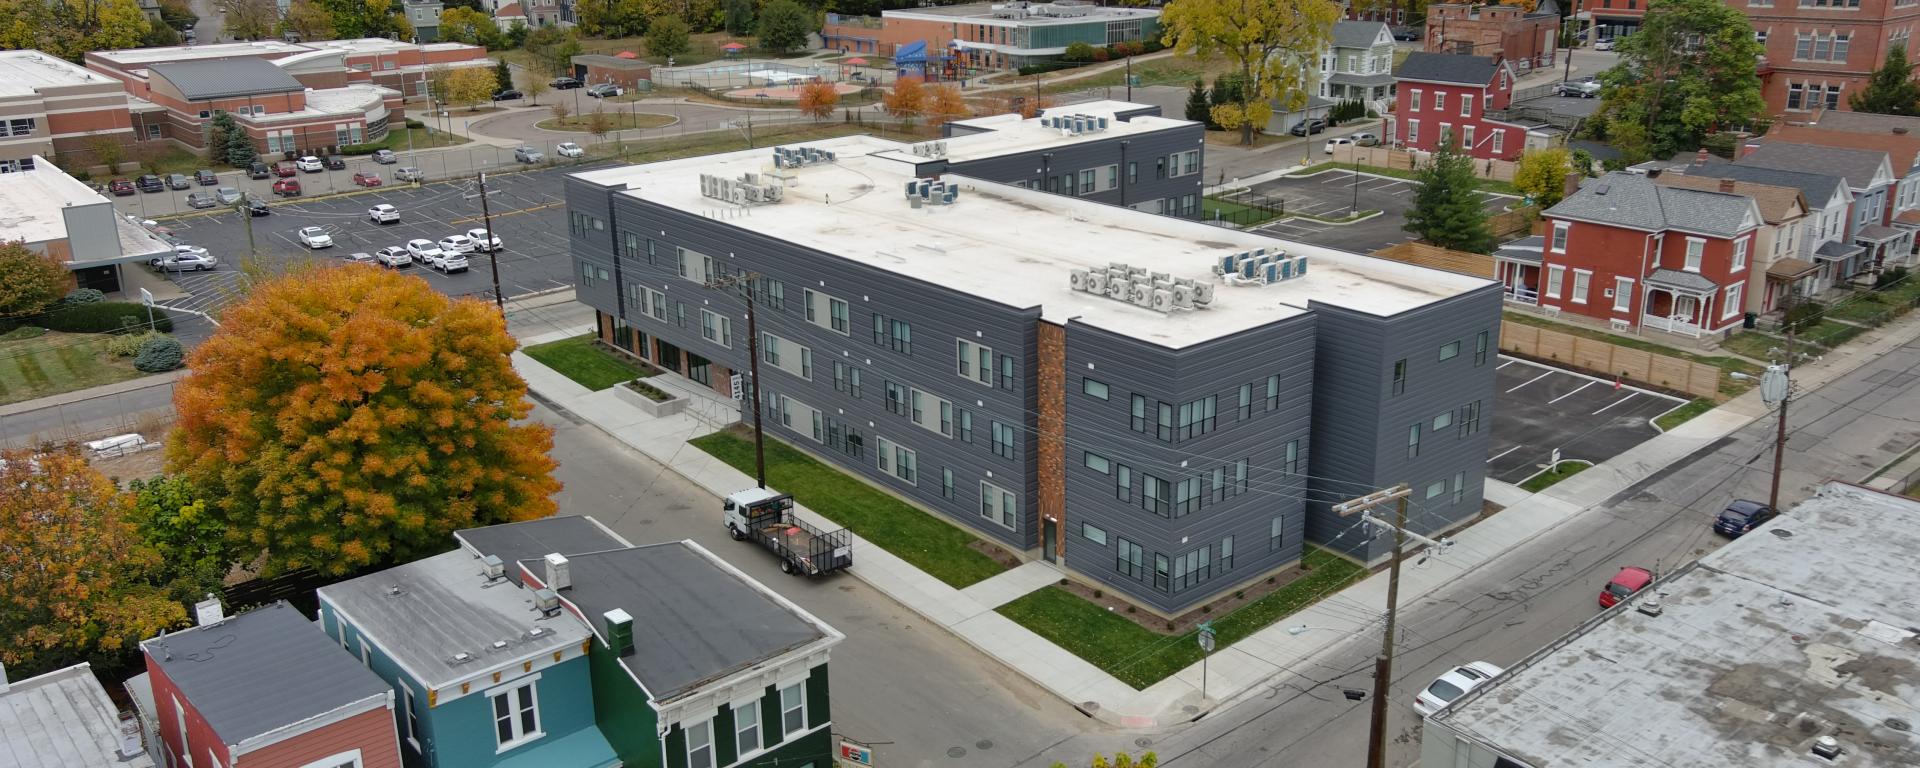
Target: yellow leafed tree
1273,44
345,417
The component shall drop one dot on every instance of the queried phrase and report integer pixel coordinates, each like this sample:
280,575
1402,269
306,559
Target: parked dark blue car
1742,516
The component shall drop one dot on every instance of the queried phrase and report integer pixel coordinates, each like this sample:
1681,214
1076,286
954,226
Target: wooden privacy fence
1412,252
1635,365
1382,157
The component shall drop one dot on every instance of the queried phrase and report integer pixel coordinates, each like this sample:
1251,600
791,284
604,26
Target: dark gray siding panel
1104,427
594,249
1035,168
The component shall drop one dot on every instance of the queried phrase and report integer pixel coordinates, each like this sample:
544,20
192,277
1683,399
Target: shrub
107,317
161,354
1890,278
415,124
128,344
1804,315
361,149
1721,144
83,296
23,332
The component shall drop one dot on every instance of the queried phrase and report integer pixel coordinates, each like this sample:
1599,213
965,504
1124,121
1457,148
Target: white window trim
713,749
1413,100
1561,235
760,725
1466,105
1741,254
1577,292
1728,306
1687,255
349,757
1556,279
538,719
781,693
1623,294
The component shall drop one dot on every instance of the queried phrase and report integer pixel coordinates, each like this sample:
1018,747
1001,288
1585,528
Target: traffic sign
1206,637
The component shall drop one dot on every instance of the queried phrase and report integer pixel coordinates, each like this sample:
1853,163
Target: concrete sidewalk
1235,671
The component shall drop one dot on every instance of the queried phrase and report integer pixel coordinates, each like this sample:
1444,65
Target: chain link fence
148,411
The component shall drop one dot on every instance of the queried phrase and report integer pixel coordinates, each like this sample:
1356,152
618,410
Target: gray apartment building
1173,427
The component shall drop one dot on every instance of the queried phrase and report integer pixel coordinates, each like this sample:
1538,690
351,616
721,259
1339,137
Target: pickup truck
766,516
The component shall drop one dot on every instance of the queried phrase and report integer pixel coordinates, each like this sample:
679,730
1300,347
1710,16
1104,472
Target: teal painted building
693,663
484,678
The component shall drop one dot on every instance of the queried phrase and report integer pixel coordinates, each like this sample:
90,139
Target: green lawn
1863,308
1559,472
1758,345
587,363
617,120
1683,414
422,138
913,535
1490,185
57,362
1214,209
1141,658
1728,385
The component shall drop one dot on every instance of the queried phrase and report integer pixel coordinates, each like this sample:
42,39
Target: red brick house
1445,94
1630,252
1529,40
266,688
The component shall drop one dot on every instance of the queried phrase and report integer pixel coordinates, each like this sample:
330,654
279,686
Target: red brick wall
1610,252
1431,118
200,738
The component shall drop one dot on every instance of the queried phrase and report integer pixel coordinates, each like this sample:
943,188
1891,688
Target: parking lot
528,217
1331,194
1538,409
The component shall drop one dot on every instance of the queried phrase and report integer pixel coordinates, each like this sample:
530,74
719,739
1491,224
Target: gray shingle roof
59,720
1818,188
1834,250
1526,249
694,621
1635,201
226,78
1356,34
1686,281
1448,68
512,542
1856,166
260,671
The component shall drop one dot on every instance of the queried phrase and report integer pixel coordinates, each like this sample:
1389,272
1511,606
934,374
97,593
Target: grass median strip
927,542
1140,657
1683,414
1559,472
580,359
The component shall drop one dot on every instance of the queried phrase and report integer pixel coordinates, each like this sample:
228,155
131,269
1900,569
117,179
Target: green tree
308,20
248,19
738,16
1272,43
348,416
195,553
1078,51
1891,89
107,151
668,38
30,281
784,26
1583,162
1688,71
516,35
1446,209
1197,108
470,85
502,75
240,151
466,25
1542,175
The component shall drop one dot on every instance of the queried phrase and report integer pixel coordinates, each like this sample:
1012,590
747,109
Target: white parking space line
1570,394
1630,396
1505,364
1609,382
1496,457
1532,380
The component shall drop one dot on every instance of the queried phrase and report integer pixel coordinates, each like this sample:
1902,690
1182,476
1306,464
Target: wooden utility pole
1383,664
745,281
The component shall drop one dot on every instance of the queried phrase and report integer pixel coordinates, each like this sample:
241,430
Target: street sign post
146,297
1206,649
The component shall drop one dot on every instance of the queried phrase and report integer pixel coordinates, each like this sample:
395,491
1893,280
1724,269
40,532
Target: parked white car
187,258
451,262
482,243
361,257
457,244
393,257
309,164
383,214
1337,142
570,149
425,252
1452,685
315,237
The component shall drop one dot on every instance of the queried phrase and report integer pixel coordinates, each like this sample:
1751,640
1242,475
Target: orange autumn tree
944,104
818,98
905,99
78,580
347,417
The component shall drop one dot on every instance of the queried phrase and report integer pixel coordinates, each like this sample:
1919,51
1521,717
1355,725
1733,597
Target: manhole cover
983,744
1898,724
1143,742
956,751
1782,533
1189,709
1090,706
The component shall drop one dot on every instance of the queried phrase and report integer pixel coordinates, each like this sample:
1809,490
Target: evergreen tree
1891,90
1197,108
1446,211
784,26
502,75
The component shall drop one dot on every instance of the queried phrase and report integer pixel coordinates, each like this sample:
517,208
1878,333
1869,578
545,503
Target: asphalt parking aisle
1538,409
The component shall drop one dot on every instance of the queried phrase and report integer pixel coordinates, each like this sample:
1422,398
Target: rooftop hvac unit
493,567
1140,295
1117,289
1162,277
1255,253
913,187
1301,263
775,193
1203,295
1103,123
1096,282
1117,265
951,193
1186,281
1247,268
1226,265
1163,301
752,193
1162,285
1272,273
547,600
1183,296
1078,279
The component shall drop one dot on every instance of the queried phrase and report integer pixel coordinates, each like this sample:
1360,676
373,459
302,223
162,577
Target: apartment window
1139,413
1002,440
1560,236
1219,484
700,744
1581,278
1622,294
1094,388
1399,376
1466,110
22,126
1128,559
1246,401
932,413
1439,101
1822,47
1413,100
1189,162
1163,428
966,424
1449,350
1499,142
1733,300
1480,348
1554,274
1292,465
1840,42
1470,418
716,328
1160,572
1133,172
1186,496
1413,126
411,723
975,362
1795,96
896,398
1739,254
1695,248
1276,534
793,708
1098,463
1226,554
1155,494
998,505
1467,137
1197,417
1436,488
896,335
1833,97
1240,475
1273,392
1442,421
896,460
1006,372
946,483
1459,486
786,355
1413,441
204,114
1159,167
1094,534
516,716
1110,178
1086,181
694,266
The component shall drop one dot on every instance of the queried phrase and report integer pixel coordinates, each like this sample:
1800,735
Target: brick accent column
603,326
1050,386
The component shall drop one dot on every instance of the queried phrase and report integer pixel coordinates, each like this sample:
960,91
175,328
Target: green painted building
693,663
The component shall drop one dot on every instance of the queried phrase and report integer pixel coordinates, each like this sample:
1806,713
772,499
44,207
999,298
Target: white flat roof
1018,247
30,202
1008,134
1761,646
136,56
24,73
349,99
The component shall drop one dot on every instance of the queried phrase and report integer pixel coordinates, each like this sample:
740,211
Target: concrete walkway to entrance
1234,671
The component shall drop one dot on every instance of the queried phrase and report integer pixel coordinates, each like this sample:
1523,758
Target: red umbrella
855,62
626,55
733,47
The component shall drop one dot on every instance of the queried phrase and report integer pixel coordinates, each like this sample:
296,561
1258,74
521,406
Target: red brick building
1630,252
266,688
1528,40
1448,95
1819,52
1608,19
279,111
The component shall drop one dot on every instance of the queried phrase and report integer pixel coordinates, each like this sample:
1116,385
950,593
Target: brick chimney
1726,185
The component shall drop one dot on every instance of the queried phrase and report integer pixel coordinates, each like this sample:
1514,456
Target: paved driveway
1332,194
1539,409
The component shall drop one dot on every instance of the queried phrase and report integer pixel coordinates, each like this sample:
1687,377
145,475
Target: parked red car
366,179
287,187
121,187
284,169
1629,580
